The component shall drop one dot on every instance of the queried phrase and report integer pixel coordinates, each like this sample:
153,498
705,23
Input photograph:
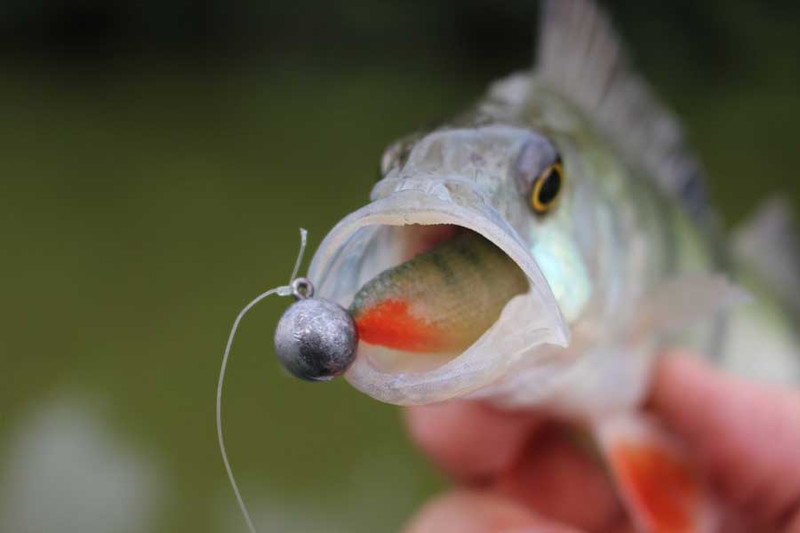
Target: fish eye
547,188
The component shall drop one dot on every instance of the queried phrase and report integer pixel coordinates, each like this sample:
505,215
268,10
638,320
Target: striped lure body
441,300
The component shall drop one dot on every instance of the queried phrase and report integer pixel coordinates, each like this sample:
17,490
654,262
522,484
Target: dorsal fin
580,56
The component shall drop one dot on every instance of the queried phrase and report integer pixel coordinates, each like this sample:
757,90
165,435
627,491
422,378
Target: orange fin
660,486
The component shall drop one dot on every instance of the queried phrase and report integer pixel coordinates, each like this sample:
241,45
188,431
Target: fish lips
364,243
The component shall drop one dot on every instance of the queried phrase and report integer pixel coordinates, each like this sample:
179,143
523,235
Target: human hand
521,473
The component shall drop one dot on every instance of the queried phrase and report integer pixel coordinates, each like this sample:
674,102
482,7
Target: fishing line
283,290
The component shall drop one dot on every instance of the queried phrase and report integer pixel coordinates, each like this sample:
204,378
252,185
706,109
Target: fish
541,248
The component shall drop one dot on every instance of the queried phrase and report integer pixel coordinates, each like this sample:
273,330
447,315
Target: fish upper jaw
370,240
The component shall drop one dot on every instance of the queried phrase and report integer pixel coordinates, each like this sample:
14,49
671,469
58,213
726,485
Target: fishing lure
538,251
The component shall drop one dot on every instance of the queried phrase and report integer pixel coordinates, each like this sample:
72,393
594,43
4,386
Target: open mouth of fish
445,294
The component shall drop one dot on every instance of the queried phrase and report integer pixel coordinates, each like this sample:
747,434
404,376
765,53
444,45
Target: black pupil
550,187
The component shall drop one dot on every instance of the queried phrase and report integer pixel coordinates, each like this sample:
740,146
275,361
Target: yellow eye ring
547,188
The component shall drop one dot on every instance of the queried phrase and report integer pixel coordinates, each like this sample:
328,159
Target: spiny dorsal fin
686,300
580,56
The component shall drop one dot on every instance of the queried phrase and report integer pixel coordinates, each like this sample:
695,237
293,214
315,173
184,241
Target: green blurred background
157,160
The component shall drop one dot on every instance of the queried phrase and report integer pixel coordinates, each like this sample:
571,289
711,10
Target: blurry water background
156,160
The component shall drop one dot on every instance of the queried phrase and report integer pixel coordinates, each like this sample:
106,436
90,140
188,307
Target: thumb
470,511
746,435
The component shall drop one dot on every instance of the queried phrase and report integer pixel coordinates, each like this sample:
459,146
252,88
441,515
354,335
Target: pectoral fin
661,488
685,301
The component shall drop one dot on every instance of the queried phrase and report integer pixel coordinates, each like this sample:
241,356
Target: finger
476,512
562,481
793,523
470,440
747,435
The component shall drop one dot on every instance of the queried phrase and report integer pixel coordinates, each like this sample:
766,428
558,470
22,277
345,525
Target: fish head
478,179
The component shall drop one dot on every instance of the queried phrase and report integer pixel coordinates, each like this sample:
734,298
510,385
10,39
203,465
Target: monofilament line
285,290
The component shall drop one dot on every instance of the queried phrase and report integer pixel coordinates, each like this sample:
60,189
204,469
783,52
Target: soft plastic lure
439,301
